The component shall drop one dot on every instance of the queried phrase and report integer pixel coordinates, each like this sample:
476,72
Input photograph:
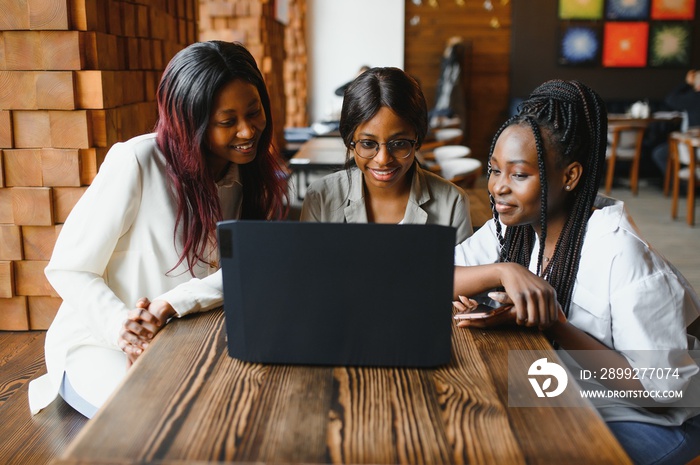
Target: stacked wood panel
295,77
252,23
76,76
278,43
429,26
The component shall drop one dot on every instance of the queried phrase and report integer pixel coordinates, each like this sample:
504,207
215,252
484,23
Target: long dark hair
185,100
573,120
383,87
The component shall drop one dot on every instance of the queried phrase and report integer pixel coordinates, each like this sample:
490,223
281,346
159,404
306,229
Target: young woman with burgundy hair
146,227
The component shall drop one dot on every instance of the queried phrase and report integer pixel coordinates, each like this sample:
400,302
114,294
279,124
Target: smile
383,174
244,147
503,207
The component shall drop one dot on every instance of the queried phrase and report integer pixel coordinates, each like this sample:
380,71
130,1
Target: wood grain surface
187,401
28,439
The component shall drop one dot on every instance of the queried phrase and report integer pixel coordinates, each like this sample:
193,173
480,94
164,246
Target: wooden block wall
254,24
430,24
295,77
76,76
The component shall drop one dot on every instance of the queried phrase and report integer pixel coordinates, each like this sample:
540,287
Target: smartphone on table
487,307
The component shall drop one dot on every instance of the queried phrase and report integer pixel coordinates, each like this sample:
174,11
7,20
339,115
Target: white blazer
118,245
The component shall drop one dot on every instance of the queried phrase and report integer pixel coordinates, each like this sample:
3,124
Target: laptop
338,294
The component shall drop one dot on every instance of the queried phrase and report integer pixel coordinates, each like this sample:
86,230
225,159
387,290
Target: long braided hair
573,120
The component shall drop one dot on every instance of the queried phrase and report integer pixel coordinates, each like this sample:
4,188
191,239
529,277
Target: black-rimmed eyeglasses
398,148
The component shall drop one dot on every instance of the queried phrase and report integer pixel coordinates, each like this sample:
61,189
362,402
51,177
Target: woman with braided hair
572,263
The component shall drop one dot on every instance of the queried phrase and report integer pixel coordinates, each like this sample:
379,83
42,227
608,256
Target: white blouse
626,295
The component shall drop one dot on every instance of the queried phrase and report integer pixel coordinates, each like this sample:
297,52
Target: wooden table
187,401
319,152
659,116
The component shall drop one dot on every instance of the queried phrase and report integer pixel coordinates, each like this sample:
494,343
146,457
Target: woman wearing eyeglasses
383,122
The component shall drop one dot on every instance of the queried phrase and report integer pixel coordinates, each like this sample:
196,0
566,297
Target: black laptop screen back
338,294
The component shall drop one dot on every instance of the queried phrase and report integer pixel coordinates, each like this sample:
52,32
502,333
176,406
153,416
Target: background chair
684,149
446,152
624,143
450,152
461,171
684,127
441,137
452,162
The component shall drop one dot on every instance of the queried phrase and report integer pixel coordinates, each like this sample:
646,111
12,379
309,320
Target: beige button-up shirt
339,198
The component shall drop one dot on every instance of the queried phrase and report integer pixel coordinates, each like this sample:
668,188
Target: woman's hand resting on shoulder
141,326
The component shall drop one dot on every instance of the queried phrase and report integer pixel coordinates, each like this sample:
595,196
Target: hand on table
533,298
465,304
542,318
141,326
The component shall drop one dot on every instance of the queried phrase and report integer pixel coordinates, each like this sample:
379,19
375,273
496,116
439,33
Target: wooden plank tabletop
27,438
187,401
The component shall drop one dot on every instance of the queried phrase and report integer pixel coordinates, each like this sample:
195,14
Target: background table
187,401
320,152
653,117
320,155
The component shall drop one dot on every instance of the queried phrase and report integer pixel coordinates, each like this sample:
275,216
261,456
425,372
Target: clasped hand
142,324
